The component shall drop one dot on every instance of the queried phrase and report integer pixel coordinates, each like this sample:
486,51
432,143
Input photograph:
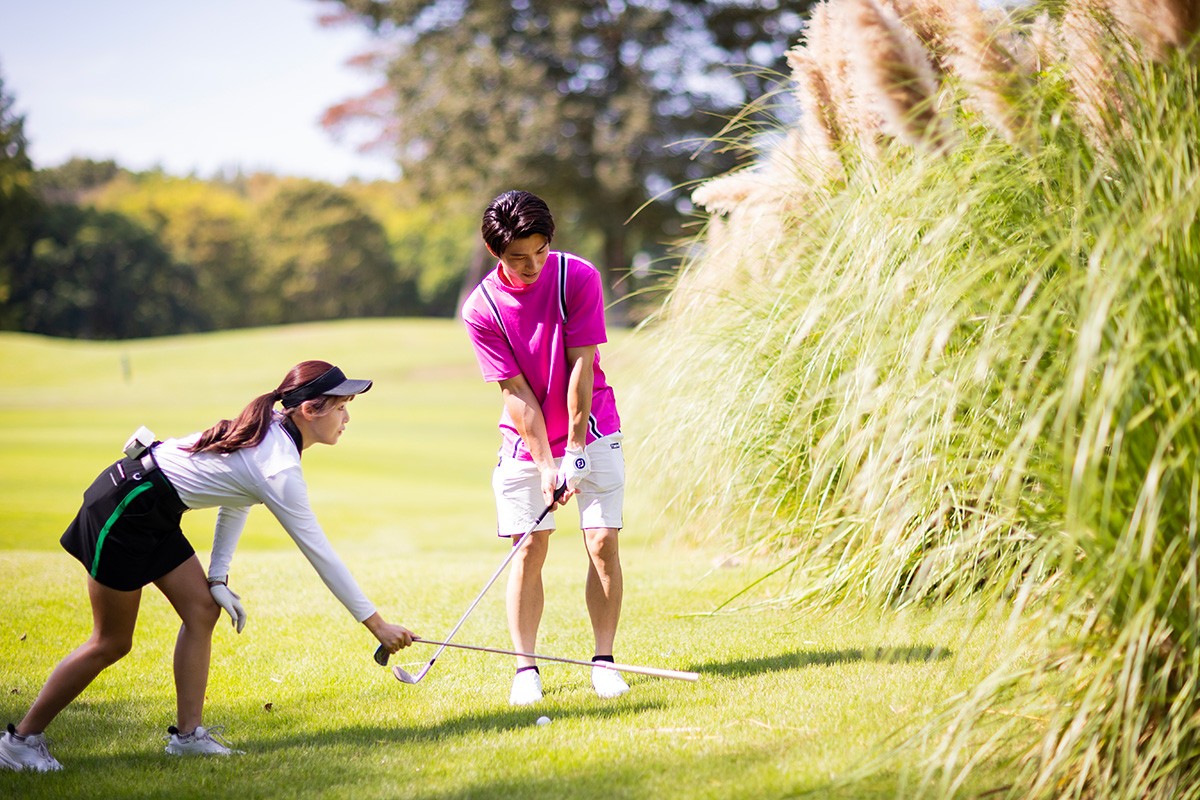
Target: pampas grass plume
893,70
992,74
1160,25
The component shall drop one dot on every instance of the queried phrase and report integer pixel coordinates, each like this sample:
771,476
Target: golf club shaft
656,672
381,654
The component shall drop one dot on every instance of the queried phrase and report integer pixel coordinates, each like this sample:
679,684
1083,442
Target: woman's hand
227,599
392,637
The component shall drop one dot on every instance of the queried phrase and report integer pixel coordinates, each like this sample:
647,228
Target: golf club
381,653
404,677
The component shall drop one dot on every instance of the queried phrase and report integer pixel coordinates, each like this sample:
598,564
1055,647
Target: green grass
787,703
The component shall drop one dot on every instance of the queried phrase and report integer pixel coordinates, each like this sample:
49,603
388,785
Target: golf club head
404,676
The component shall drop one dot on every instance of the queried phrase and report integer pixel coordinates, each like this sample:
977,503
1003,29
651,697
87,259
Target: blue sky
188,86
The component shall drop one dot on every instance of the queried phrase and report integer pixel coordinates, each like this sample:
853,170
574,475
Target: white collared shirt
268,473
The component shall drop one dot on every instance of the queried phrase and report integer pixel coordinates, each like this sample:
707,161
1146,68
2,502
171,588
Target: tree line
91,250
611,111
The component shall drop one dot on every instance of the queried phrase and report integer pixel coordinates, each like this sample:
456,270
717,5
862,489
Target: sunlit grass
786,702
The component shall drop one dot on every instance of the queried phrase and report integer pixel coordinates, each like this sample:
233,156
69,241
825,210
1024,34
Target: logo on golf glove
574,468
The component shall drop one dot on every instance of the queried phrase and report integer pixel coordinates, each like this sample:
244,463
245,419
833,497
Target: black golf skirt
127,531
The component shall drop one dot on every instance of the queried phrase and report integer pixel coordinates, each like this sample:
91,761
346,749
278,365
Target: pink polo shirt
525,330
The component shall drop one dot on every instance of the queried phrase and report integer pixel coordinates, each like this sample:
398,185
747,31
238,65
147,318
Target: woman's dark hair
251,425
515,215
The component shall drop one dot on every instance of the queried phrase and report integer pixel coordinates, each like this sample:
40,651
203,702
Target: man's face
523,259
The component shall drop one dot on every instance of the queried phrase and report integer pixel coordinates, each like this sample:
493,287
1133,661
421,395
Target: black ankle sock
12,730
526,669
608,659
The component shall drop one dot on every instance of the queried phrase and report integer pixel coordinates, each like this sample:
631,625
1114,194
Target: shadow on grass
745,667
380,761
498,721
364,761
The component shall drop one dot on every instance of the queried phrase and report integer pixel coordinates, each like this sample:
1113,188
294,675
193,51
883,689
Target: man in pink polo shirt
536,322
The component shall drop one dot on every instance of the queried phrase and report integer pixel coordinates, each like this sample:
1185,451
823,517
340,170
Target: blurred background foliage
612,111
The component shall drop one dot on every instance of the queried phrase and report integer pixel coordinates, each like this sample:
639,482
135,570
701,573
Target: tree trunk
615,273
481,262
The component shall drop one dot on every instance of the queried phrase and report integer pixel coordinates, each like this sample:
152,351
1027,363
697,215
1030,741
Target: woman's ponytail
246,431
252,424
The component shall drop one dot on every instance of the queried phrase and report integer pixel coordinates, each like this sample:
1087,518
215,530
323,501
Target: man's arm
526,413
582,378
579,394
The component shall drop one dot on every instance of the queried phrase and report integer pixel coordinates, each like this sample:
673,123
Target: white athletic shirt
269,474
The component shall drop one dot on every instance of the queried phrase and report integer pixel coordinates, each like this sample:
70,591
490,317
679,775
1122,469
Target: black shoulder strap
562,285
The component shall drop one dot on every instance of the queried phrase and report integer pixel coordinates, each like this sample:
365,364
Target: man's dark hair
515,215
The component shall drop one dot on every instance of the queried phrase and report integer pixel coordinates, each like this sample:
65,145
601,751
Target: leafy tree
431,242
72,181
18,205
586,102
97,274
202,224
324,257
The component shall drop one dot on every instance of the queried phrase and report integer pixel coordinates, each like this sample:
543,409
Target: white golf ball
543,720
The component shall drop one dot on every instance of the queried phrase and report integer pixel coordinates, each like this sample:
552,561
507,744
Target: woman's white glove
574,467
231,602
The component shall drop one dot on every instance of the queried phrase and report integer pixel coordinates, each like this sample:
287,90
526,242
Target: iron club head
404,676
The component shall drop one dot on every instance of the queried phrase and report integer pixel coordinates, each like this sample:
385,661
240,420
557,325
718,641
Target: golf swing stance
127,534
536,322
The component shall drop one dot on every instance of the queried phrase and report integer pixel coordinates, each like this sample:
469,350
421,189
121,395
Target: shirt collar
294,434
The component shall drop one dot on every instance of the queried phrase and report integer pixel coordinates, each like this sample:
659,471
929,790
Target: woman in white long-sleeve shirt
127,535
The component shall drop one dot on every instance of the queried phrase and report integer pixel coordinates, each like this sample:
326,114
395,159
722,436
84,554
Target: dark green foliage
18,205
98,275
69,182
324,257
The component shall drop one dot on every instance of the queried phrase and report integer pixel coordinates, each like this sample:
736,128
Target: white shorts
601,497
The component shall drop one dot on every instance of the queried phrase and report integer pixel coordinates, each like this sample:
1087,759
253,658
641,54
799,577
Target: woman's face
326,428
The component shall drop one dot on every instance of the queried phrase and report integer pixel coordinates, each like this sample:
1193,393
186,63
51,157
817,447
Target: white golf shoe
200,742
608,683
526,688
29,752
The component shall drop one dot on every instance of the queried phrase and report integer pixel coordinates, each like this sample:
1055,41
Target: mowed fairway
786,702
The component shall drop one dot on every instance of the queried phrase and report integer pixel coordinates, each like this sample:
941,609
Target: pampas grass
975,372
994,76
892,72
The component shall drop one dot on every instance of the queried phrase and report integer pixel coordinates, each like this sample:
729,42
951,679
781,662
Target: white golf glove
231,602
573,468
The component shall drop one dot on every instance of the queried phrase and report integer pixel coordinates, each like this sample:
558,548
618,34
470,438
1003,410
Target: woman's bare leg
187,590
114,616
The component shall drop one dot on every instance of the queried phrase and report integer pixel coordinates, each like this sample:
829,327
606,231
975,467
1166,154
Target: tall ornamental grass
942,340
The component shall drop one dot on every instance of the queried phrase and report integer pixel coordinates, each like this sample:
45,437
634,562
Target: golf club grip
656,672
